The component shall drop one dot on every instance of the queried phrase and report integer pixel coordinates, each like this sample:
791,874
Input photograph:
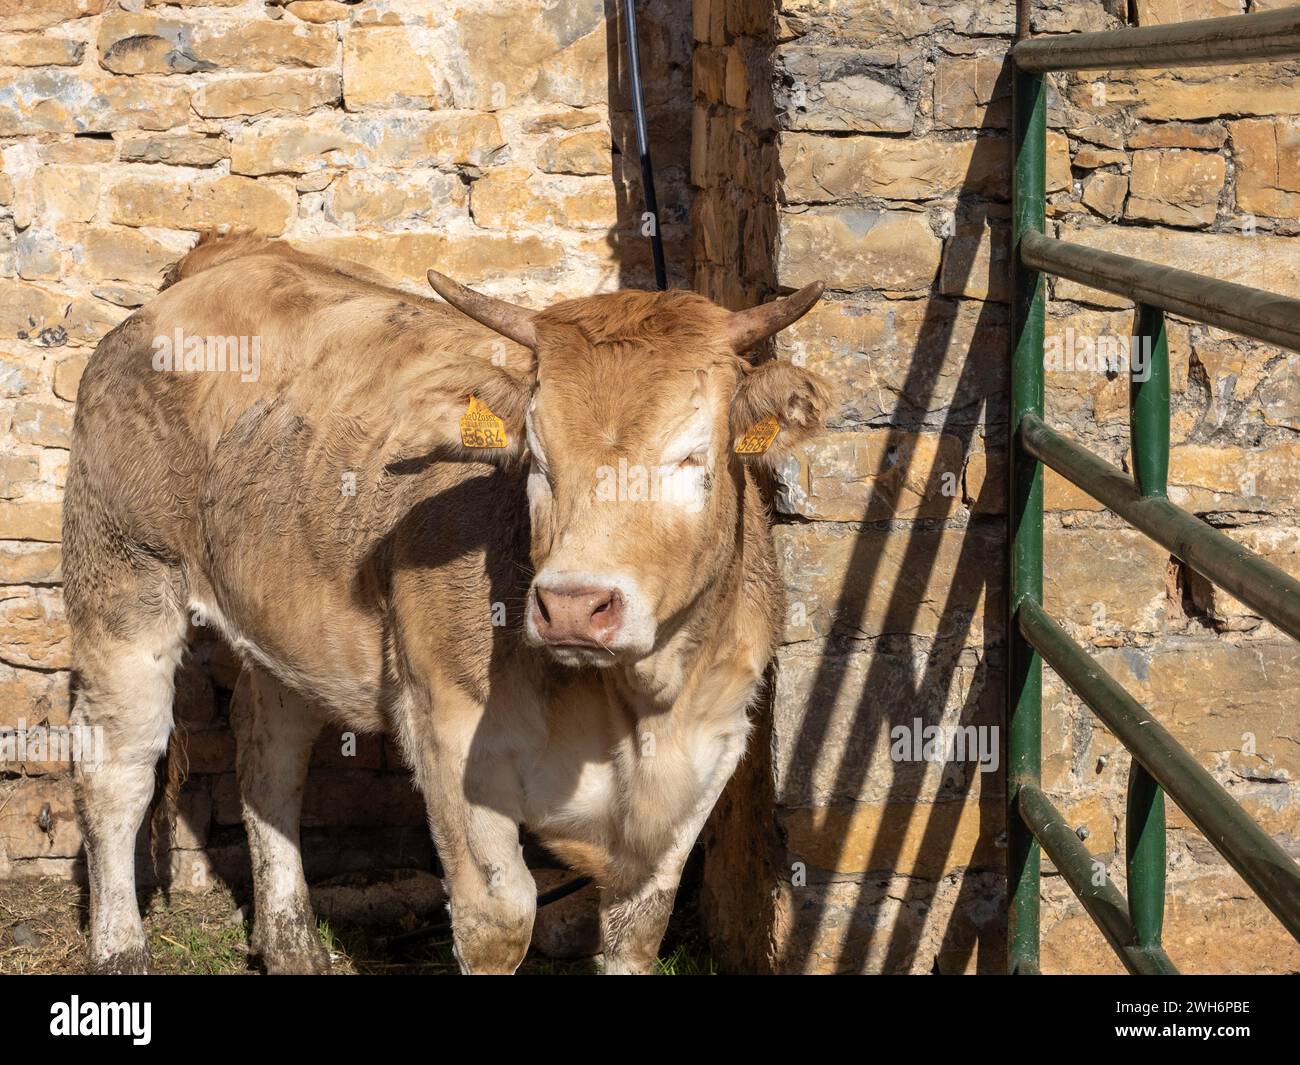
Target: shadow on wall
878,913
901,684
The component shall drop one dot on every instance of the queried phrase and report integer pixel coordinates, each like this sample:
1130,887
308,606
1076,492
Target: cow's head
637,422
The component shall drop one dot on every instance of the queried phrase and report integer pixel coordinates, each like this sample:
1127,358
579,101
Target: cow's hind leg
126,653
275,729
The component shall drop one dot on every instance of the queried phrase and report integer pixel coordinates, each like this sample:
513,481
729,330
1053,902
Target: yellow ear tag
479,427
758,437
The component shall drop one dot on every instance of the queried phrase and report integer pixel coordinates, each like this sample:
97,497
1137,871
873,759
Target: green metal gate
1160,764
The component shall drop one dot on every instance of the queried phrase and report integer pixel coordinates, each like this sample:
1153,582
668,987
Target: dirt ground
42,922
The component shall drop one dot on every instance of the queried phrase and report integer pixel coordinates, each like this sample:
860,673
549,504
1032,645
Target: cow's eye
694,460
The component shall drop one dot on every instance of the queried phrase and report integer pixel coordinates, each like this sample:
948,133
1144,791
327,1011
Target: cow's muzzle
583,621
585,616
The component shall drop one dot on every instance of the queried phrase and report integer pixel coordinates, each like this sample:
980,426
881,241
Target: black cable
643,145
443,925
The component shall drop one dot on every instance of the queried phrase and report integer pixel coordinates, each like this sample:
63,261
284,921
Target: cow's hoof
288,943
132,962
296,963
620,965
295,951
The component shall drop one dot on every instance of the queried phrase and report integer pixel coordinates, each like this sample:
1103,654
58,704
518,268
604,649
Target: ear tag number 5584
479,427
758,437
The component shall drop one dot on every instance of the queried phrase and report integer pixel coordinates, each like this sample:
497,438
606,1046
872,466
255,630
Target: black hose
643,145
442,926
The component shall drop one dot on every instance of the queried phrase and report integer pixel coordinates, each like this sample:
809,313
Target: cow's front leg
471,793
275,729
632,924
492,895
634,912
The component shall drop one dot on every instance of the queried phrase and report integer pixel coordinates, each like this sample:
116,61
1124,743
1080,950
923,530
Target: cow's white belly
326,679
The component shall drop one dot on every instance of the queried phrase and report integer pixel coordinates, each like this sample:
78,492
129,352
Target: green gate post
1149,402
1144,808
1025,514
1144,838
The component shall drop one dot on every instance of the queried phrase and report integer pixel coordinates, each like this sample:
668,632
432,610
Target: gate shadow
974,577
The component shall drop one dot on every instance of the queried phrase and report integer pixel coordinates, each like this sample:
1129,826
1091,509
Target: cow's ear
776,406
471,412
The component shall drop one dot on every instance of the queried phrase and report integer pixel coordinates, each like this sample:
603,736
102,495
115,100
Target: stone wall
490,139
859,141
881,130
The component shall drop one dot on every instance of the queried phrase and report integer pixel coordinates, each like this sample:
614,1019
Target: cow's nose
578,615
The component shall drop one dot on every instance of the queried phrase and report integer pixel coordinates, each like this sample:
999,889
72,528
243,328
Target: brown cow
561,602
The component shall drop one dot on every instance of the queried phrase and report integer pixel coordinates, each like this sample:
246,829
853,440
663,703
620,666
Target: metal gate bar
1232,39
1252,312
1102,900
1259,584
1261,862
1160,764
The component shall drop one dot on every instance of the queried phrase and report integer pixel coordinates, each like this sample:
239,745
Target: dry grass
42,922
49,910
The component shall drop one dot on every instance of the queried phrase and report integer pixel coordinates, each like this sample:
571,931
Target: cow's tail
172,771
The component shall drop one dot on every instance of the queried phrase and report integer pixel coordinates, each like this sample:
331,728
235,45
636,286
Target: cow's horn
747,328
514,323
